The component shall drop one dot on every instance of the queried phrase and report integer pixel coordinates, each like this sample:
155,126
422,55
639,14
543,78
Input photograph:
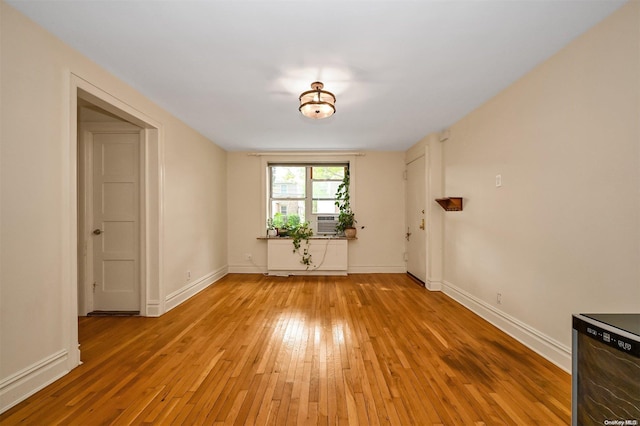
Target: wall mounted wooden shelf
451,204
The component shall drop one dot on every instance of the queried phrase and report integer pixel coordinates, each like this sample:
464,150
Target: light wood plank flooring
365,349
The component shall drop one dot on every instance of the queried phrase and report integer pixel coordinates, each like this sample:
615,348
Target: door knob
97,231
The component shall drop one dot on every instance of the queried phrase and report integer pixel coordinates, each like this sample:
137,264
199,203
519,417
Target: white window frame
308,199
293,158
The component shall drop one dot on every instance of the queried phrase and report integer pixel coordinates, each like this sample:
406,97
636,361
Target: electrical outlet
498,181
188,275
499,298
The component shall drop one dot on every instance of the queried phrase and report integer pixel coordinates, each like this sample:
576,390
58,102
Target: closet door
416,220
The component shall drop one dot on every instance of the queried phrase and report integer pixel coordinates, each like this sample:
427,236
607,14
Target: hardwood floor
363,349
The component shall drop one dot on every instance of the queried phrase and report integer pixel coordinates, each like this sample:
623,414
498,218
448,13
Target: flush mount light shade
317,103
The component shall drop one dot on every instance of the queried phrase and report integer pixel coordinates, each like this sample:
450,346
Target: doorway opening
126,138
110,223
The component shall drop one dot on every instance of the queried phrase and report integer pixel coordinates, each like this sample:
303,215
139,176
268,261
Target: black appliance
605,370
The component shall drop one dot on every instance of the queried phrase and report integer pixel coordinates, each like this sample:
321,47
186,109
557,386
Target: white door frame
432,149
151,208
85,212
425,214
153,296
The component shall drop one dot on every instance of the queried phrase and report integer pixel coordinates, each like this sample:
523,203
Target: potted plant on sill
271,229
346,218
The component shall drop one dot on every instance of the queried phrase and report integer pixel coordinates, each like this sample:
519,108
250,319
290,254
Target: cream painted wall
195,210
244,177
36,278
562,235
379,206
379,185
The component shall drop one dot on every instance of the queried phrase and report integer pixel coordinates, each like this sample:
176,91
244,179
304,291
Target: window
324,184
300,192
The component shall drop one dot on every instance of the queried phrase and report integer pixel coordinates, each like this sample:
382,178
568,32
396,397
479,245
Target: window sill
312,238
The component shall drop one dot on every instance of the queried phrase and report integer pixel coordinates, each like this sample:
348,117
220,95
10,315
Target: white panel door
416,234
116,221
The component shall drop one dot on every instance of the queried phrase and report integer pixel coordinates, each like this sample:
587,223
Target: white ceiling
400,70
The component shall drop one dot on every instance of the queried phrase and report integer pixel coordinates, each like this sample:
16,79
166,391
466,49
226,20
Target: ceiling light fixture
317,103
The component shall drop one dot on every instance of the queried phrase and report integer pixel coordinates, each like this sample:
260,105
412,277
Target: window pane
289,201
327,172
325,189
287,212
324,207
287,182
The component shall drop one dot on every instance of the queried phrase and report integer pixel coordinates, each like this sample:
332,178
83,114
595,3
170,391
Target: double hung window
301,192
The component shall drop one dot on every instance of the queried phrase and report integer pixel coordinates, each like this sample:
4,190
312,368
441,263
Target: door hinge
94,286
404,175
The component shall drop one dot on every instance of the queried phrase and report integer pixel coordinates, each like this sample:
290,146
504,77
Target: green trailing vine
346,218
299,233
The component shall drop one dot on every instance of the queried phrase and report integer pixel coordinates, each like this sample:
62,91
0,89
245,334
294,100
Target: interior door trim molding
86,132
153,210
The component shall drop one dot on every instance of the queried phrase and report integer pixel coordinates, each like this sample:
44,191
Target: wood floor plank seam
362,349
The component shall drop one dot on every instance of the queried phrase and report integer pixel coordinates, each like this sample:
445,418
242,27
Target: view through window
301,192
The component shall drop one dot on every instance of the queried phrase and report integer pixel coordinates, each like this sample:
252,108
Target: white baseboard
250,269
30,380
254,269
377,269
177,297
153,308
286,273
432,285
544,345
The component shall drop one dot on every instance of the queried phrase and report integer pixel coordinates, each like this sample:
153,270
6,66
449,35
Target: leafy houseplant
298,233
285,224
271,229
346,218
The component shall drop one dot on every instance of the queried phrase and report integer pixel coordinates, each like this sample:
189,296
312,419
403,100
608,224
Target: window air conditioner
327,225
